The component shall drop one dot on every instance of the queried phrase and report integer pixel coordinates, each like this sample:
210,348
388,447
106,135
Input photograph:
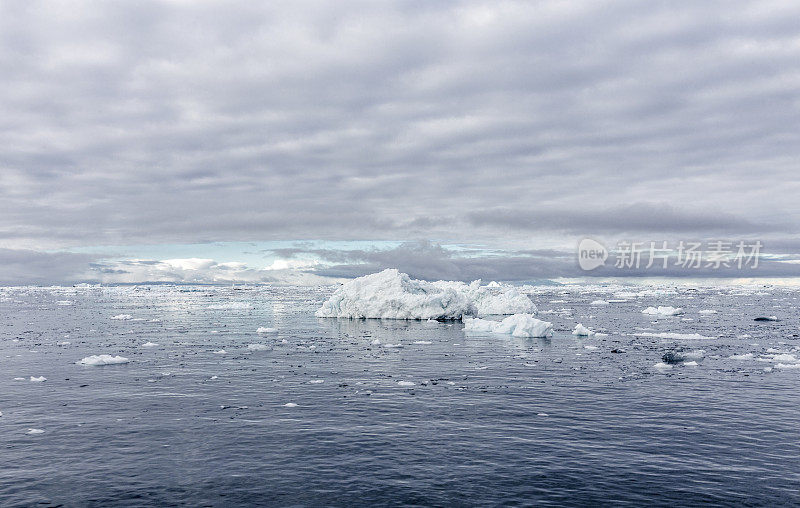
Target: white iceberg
264,329
40,379
393,295
103,360
582,331
518,325
663,311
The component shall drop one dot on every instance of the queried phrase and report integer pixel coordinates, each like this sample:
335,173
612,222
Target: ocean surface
196,418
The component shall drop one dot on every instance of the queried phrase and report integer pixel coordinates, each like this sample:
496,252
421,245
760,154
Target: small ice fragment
35,431
150,344
746,356
257,347
264,329
122,317
316,381
542,414
662,366
220,352
591,348
376,342
599,302
582,331
40,379
214,377
63,343
393,345
102,360
290,404
422,342
788,366
707,311
406,383
690,364
766,318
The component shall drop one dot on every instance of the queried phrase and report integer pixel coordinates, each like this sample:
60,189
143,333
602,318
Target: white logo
591,254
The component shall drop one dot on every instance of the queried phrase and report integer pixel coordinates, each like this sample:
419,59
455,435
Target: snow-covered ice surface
180,425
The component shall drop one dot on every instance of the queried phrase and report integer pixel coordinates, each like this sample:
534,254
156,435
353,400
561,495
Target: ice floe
663,311
40,379
518,325
96,360
745,356
33,432
150,344
406,383
257,347
122,317
393,295
265,329
675,336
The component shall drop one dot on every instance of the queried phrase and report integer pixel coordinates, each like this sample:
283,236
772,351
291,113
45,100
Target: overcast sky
496,128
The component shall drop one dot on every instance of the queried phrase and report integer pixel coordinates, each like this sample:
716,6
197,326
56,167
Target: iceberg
663,311
518,325
393,295
582,331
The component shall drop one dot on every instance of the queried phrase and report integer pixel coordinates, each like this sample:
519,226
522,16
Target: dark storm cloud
181,122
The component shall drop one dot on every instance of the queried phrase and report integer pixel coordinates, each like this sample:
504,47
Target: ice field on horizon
143,383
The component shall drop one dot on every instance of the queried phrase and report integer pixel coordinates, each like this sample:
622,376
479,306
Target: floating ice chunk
423,342
406,383
675,336
746,356
766,318
662,366
96,360
150,344
35,431
582,331
290,404
220,352
64,302
599,302
542,414
264,329
393,295
518,325
788,366
393,346
663,311
376,342
690,363
40,379
122,317
257,347
316,381
707,311
591,348
63,343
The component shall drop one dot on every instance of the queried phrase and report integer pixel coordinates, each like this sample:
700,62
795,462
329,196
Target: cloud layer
517,124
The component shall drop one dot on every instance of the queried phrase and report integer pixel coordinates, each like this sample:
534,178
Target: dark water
490,420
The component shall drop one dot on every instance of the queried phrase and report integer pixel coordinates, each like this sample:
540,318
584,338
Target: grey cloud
123,123
21,266
637,217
